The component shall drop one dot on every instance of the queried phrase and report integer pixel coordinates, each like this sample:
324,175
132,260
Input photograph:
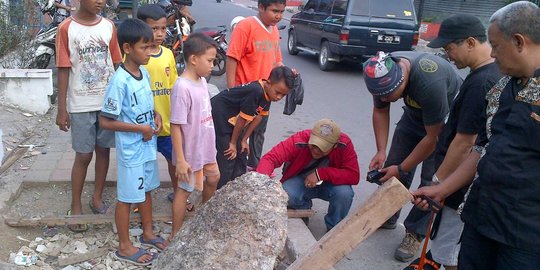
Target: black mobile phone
374,176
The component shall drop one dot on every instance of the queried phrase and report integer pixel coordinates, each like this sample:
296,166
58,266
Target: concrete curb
299,239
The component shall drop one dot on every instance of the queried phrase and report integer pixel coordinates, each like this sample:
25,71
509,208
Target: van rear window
401,9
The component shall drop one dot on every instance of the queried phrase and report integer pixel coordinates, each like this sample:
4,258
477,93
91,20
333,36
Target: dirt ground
18,128
46,200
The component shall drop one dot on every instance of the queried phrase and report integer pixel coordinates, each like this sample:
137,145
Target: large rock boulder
242,227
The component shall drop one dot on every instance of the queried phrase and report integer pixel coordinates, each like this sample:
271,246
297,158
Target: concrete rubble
242,227
46,253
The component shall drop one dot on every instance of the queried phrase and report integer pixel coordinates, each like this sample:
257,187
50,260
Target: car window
311,5
324,6
340,7
360,7
402,9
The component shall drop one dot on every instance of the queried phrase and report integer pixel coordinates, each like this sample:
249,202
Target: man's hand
377,161
231,152
389,172
434,192
147,132
158,121
183,171
62,120
311,180
245,147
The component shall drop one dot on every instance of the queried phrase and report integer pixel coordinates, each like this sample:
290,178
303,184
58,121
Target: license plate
388,39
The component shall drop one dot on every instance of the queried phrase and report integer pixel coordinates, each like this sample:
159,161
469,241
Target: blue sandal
152,243
133,258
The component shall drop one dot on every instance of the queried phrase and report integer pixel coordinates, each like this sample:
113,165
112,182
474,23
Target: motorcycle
176,33
45,37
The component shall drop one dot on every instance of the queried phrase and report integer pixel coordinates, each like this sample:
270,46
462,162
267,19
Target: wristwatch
401,172
435,180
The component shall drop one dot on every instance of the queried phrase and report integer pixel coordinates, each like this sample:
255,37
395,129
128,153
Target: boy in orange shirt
253,52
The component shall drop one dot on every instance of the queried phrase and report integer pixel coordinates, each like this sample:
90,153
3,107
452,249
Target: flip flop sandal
99,211
152,243
133,258
189,206
76,227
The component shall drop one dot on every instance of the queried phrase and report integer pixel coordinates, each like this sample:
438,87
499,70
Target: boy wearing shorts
192,129
163,75
86,48
128,109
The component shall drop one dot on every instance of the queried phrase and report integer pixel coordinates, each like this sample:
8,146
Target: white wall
27,89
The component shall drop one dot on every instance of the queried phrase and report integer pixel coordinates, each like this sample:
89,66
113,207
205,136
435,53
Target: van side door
303,22
334,22
322,12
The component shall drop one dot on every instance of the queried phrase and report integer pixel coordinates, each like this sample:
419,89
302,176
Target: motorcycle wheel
41,61
219,64
180,64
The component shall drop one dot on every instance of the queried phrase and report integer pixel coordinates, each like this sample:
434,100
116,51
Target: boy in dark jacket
237,112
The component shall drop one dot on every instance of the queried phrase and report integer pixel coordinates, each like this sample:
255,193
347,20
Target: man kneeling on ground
319,163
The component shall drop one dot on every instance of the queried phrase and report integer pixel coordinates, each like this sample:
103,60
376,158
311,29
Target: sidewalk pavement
55,165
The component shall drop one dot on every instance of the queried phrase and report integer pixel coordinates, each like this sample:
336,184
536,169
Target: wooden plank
77,258
355,228
12,158
105,219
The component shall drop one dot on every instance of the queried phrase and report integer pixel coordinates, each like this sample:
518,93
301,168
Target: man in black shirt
428,84
463,38
502,209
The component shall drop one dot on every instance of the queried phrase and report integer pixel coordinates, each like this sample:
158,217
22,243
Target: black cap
456,27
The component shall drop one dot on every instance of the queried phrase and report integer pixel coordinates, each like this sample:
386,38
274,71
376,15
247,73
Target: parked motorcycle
45,38
176,33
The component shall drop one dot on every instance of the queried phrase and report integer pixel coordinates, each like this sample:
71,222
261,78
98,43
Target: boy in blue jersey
128,109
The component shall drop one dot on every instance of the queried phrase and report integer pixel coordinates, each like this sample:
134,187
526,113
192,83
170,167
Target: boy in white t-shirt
192,128
86,54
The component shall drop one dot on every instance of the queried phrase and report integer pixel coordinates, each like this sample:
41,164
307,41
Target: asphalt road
340,95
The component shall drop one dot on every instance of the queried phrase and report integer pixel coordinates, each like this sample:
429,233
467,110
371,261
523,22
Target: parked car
339,30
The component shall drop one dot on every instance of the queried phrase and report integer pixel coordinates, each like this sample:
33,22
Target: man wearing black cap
464,39
502,207
428,85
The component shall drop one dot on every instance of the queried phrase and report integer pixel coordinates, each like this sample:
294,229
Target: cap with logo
457,27
325,134
382,74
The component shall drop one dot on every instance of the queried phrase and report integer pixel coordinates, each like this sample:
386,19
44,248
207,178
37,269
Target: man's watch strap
401,172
